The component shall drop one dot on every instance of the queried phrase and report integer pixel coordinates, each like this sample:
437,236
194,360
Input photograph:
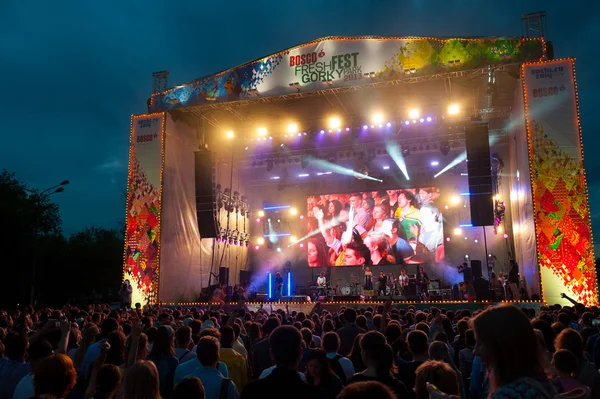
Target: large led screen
390,227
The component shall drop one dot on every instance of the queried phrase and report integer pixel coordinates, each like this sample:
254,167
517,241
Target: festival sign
561,208
348,62
144,197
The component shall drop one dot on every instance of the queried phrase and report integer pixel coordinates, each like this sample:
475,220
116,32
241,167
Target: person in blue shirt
215,385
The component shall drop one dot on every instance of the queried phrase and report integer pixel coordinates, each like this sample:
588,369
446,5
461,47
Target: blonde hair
141,382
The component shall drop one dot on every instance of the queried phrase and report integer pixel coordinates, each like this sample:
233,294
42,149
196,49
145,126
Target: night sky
72,72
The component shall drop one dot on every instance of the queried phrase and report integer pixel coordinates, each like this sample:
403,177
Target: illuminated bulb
257,247
378,118
457,231
278,249
262,131
455,199
453,109
334,123
292,128
500,229
229,134
293,211
413,113
261,214
293,238
260,241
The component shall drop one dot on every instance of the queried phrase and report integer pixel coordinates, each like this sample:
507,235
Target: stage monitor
387,227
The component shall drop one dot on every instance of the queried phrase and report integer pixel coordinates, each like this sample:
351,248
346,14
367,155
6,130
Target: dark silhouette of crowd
357,352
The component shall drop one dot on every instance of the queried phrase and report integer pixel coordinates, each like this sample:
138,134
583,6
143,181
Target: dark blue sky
73,71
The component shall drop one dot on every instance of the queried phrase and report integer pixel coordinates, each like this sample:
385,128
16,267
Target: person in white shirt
38,351
321,285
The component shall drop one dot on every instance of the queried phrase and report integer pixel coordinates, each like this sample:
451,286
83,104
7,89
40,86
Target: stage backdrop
344,61
143,209
561,208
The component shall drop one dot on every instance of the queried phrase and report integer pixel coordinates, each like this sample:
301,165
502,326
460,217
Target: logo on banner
547,72
147,124
316,67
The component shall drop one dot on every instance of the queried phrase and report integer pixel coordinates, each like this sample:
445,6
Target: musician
321,285
382,284
513,280
368,287
423,283
495,286
403,281
467,273
392,282
503,283
278,290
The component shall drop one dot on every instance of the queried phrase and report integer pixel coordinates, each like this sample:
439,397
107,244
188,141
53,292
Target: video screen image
390,227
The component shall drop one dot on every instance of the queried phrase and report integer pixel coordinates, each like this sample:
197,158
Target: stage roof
337,64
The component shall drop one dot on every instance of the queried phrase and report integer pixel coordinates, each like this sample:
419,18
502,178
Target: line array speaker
479,168
206,205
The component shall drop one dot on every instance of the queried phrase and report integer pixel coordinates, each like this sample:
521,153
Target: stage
365,161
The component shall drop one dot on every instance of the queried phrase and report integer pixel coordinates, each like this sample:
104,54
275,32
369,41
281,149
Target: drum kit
353,288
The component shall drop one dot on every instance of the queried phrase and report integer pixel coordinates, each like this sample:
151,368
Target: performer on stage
403,282
321,285
392,283
368,287
513,280
469,290
382,284
278,290
218,295
423,283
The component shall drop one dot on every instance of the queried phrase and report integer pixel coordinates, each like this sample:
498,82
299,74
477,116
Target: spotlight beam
395,152
461,157
331,167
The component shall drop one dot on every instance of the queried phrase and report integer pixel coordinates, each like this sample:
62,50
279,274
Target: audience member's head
227,336
565,363
331,342
38,351
571,340
189,388
436,373
208,351
141,381
55,376
366,390
286,346
108,380
418,343
183,337
350,315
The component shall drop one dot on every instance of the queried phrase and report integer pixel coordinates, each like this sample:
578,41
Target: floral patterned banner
348,61
561,207
144,197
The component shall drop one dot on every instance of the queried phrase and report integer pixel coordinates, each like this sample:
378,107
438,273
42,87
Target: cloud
112,166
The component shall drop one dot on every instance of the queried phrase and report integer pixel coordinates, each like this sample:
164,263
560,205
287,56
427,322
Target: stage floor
307,307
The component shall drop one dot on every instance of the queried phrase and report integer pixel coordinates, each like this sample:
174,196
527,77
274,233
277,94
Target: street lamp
38,202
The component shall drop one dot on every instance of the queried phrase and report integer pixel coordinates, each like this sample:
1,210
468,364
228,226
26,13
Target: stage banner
560,195
348,61
143,209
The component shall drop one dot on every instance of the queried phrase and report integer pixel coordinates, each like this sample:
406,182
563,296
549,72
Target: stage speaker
294,298
206,186
224,275
346,298
479,168
244,278
412,297
476,269
435,297
412,287
482,289
262,297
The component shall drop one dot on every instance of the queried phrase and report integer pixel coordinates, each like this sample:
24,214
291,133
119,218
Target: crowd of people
375,228
502,352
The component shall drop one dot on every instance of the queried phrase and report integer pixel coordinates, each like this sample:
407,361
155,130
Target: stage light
429,119
293,239
270,138
407,123
457,231
257,220
455,200
322,131
334,123
448,239
301,245
261,213
505,236
262,131
229,135
347,129
301,217
293,211
466,238
434,163
453,109
476,241
413,113
257,247
377,118
299,134
466,256
422,120
389,124
365,127
386,167
303,175
500,229
278,249
260,241
246,148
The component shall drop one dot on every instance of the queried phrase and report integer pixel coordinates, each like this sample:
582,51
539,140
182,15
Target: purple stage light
389,124
218,239
322,132
304,133
365,127
407,123
421,120
347,129
429,119
299,134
